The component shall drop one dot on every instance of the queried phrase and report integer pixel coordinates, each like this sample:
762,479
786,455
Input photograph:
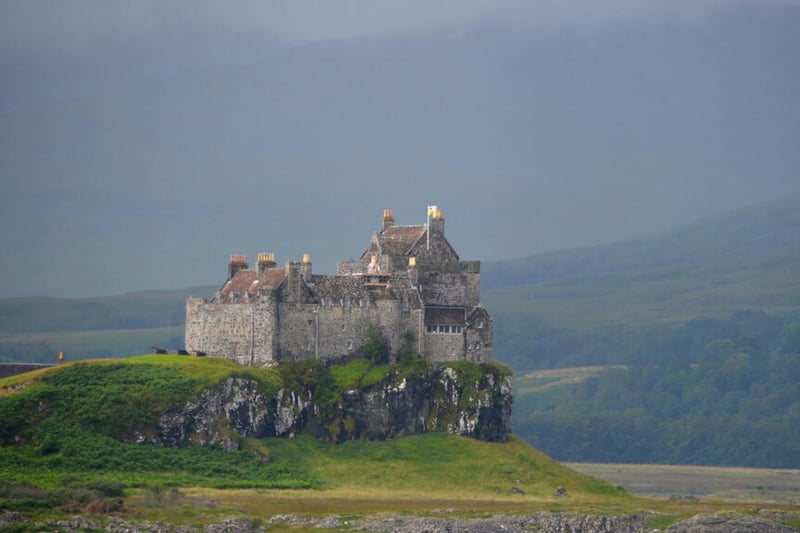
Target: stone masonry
409,282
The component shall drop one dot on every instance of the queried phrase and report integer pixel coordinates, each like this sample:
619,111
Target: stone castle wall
256,334
241,332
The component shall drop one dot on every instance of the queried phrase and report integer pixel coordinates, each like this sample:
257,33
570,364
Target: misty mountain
529,141
731,275
733,239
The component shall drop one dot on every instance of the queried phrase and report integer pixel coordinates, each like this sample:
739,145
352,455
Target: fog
141,143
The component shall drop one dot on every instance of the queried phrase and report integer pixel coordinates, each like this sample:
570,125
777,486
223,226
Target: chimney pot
388,219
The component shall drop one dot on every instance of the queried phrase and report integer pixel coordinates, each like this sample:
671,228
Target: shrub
326,394
107,487
105,506
376,347
160,496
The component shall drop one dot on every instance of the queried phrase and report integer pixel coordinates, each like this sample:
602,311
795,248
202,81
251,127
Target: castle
410,283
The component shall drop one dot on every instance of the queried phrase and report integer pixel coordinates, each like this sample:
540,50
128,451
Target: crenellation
409,281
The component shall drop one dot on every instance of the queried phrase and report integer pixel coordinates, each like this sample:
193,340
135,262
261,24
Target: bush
107,487
160,496
105,506
376,347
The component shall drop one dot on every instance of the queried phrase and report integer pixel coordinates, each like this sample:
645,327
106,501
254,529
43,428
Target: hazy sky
79,25
142,142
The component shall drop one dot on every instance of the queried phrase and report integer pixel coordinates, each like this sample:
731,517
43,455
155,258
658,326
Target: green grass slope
60,430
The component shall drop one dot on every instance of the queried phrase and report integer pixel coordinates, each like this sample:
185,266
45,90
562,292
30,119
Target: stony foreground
392,523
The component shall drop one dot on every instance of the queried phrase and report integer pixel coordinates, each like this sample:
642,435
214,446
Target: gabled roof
396,240
245,281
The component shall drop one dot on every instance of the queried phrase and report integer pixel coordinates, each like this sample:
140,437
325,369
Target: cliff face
474,403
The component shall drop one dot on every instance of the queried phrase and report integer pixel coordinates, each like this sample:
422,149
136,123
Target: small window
350,345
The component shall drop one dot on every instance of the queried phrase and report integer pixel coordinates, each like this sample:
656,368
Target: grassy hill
60,458
60,430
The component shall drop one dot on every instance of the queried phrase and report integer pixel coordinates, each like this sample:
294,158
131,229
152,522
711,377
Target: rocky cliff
464,399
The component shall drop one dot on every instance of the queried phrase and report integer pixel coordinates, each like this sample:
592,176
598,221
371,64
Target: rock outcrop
392,523
710,523
478,407
475,403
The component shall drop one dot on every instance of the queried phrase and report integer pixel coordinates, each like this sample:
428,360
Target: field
703,482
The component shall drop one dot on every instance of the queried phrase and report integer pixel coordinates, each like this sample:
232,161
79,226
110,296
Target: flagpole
428,227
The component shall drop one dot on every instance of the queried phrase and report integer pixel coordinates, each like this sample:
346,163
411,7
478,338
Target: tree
376,347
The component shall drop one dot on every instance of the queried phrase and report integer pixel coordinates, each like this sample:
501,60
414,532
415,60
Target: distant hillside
133,310
740,237
694,337
36,329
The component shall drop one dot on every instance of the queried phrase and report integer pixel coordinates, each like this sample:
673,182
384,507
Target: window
444,328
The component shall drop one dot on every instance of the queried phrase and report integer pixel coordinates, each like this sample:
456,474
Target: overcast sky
188,130
76,26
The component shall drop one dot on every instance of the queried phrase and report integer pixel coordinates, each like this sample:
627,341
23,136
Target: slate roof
398,240
445,315
245,281
337,288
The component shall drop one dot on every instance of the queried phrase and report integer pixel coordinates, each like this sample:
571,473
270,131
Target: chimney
305,268
265,261
436,222
413,272
238,262
388,219
374,267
